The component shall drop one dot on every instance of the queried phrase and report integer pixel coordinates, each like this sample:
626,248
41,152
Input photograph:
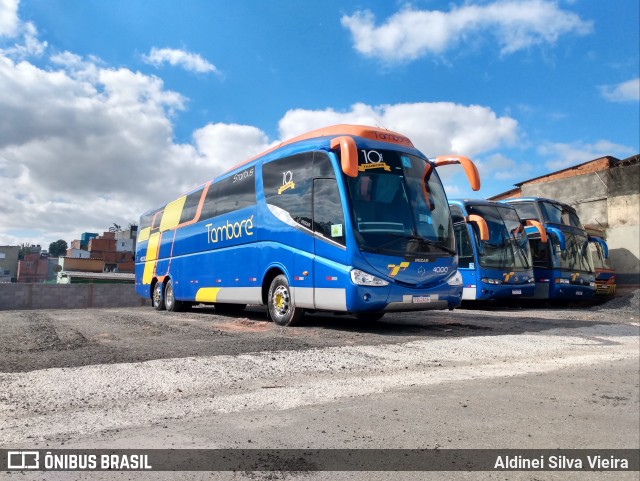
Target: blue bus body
563,267
499,267
291,230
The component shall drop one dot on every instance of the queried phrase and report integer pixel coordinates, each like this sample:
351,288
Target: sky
109,108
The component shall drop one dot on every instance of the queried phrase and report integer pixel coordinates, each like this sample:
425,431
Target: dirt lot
471,378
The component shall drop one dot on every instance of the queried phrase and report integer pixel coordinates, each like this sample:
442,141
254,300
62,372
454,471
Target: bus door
330,271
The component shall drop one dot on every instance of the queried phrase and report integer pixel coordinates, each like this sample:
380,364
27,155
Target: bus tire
370,316
157,299
170,302
282,310
225,308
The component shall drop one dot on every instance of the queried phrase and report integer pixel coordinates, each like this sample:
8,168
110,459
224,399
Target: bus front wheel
282,309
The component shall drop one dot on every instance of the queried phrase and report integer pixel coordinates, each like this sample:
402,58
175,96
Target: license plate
516,292
578,293
421,299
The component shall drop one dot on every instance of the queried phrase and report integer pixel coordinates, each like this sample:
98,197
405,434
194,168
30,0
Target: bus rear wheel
282,309
157,298
170,300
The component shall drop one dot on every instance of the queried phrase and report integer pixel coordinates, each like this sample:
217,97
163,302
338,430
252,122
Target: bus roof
365,131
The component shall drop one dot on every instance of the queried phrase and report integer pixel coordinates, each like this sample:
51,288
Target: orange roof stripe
372,133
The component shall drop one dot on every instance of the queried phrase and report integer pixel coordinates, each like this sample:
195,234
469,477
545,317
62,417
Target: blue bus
347,219
494,258
563,266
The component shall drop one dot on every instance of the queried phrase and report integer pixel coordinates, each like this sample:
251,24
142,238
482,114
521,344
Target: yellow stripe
150,264
207,294
172,213
143,235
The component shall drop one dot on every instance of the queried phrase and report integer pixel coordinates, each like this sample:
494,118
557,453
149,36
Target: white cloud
9,18
410,34
500,167
11,27
191,62
85,147
562,155
225,145
628,91
434,128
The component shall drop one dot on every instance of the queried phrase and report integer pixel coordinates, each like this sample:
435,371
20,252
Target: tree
58,248
24,249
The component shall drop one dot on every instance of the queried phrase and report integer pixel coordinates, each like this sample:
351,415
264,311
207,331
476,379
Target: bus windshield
508,246
597,255
399,206
576,256
559,214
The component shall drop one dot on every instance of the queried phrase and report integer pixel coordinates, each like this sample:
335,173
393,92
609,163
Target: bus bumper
402,298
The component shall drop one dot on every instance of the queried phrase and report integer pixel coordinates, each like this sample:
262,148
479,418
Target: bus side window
190,206
328,217
463,245
287,185
232,193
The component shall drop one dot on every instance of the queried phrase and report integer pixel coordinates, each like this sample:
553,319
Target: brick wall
68,296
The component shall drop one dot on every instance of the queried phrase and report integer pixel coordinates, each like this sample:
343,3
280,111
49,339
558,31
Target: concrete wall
586,193
68,296
609,200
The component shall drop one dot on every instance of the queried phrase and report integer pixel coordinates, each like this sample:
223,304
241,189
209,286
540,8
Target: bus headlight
361,278
455,280
532,280
562,281
488,280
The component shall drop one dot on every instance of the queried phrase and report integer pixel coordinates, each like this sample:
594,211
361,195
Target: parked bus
563,267
494,258
605,275
347,219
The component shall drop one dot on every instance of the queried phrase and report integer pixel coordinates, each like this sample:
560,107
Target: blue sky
108,108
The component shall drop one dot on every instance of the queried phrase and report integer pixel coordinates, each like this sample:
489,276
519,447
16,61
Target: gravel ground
138,378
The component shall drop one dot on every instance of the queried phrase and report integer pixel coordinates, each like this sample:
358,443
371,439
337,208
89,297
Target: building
9,263
105,247
33,268
606,195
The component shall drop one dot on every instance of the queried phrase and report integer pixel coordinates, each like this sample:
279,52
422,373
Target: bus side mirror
603,244
348,154
482,226
560,236
468,166
539,227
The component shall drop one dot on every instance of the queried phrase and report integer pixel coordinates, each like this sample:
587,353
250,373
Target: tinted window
145,221
456,214
560,214
463,245
156,219
327,210
190,206
232,193
526,210
287,185
540,253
